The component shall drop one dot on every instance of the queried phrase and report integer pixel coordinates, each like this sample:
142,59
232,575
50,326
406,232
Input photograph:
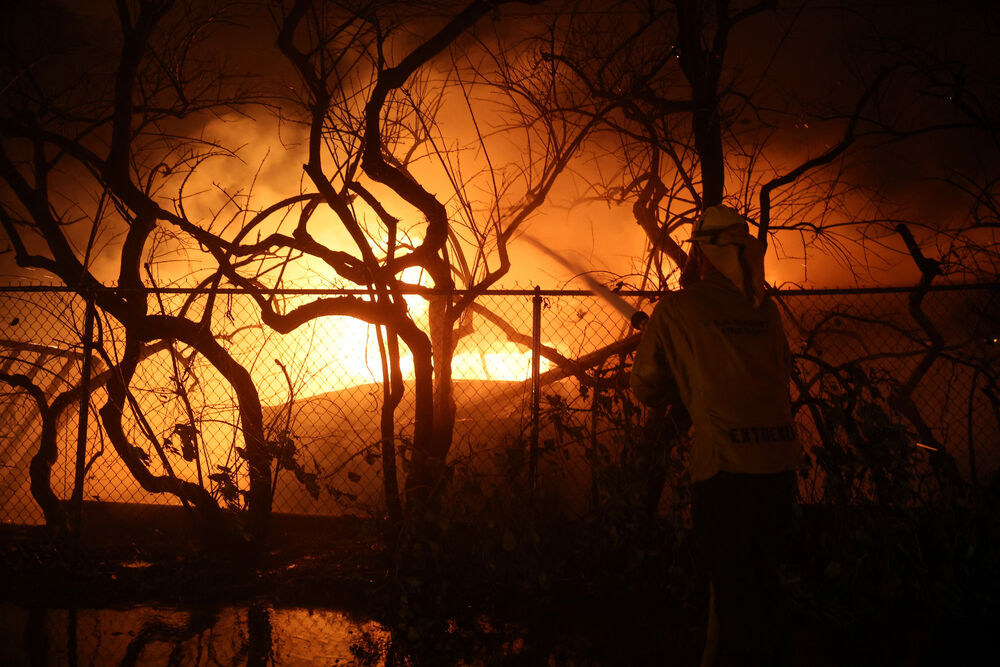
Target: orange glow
336,353
512,364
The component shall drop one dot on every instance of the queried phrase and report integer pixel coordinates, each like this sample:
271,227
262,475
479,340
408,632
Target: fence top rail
426,291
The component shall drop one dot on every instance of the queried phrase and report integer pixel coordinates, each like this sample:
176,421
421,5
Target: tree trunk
258,459
443,349
702,66
40,472
421,477
40,468
111,418
392,393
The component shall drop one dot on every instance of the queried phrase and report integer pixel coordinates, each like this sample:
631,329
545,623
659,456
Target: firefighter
718,346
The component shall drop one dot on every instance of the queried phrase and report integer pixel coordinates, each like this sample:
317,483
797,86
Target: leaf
185,431
189,440
225,487
308,480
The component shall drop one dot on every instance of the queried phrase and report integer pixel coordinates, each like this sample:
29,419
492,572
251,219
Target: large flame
332,353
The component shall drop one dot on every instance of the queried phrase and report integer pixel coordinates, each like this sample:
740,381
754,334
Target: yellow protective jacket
729,362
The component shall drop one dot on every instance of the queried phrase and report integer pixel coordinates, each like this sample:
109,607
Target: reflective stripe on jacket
729,363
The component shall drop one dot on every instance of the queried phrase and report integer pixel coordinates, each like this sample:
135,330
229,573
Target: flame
512,364
332,353
337,353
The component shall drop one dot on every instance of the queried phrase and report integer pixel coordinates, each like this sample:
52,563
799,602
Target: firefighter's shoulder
690,295
667,301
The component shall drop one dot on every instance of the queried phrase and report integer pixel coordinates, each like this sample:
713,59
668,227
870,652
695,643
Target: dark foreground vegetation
514,584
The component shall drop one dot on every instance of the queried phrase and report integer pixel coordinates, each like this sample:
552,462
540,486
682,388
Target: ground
131,557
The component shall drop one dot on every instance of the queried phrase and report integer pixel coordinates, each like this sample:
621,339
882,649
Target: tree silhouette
407,144
86,142
806,118
123,147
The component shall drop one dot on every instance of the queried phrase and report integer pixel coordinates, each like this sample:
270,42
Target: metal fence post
536,385
81,438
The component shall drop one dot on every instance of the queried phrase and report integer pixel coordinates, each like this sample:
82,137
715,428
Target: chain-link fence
927,368
908,379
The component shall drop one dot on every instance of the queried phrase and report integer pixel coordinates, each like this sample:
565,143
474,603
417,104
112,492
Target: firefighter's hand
639,320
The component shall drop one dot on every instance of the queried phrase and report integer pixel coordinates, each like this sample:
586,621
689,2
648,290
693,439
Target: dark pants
742,522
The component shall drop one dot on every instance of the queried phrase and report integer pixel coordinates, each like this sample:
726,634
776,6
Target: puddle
260,634
228,635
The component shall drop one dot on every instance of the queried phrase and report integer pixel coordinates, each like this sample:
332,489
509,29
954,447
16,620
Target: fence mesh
927,363
931,368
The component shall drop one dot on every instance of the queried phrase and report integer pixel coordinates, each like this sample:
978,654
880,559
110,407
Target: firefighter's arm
652,380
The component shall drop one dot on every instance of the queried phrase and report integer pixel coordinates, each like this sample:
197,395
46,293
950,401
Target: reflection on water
257,634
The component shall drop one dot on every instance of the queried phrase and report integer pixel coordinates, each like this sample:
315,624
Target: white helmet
723,236
716,221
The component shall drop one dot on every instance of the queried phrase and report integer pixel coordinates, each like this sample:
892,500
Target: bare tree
375,146
420,196
804,117
817,122
89,140
395,116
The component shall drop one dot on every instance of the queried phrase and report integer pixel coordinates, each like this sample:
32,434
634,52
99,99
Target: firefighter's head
721,241
719,226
